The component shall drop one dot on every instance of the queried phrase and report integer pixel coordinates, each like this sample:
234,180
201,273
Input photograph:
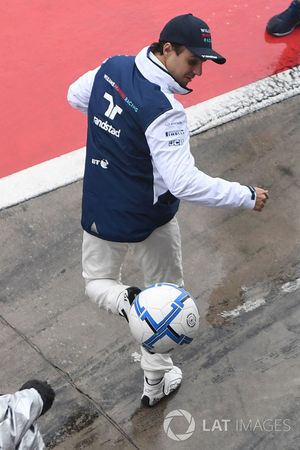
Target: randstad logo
106,127
188,420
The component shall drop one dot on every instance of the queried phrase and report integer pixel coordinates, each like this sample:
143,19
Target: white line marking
44,177
291,286
248,306
68,168
242,101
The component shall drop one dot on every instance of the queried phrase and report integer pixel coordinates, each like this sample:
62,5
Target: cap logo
206,39
205,35
210,56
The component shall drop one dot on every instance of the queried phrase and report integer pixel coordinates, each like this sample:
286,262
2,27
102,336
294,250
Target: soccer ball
163,317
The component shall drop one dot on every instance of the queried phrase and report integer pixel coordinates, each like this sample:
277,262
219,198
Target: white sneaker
169,383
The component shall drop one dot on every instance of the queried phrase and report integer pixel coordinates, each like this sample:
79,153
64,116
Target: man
285,22
18,415
138,167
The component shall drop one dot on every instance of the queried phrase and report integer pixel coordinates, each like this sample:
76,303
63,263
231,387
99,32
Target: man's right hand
262,196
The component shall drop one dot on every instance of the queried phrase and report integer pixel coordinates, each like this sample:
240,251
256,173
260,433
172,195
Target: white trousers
159,257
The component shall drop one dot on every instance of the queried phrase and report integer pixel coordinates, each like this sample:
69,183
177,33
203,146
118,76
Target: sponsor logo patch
106,127
122,94
174,133
176,142
174,124
100,162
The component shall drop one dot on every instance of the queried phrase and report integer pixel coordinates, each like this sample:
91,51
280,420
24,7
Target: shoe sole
145,400
284,34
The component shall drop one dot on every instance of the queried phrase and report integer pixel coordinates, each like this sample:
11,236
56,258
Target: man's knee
105,293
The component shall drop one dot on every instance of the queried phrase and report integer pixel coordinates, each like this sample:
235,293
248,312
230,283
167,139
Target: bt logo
100,162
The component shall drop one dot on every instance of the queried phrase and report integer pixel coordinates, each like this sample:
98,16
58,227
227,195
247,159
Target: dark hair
158,47
44,389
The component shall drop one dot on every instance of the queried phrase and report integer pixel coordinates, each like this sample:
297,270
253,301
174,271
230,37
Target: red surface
46,45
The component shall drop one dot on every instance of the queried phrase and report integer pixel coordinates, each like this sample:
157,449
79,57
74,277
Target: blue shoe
285,22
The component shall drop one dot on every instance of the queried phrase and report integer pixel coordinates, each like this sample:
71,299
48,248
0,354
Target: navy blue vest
117,200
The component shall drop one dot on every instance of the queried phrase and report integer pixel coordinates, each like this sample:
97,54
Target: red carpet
45,45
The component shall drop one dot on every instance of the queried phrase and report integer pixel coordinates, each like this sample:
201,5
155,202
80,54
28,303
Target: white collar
153,70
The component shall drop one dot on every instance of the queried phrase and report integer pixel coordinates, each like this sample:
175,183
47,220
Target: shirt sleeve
19,413
168,140
80,91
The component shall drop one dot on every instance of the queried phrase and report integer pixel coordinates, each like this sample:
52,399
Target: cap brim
208,53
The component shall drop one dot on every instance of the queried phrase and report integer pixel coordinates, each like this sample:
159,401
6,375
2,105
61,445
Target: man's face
183,67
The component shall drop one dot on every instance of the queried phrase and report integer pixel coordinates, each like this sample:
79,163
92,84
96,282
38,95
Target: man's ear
167,48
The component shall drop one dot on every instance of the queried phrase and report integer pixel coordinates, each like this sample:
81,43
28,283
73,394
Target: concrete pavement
241,376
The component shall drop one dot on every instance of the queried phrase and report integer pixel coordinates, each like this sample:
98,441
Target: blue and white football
163,317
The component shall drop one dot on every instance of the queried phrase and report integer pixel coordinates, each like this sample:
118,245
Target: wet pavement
241,386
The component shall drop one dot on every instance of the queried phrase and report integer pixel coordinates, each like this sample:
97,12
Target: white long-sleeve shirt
168,139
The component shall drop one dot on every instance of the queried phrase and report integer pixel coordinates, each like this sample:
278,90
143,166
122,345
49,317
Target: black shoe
129,295
285,22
